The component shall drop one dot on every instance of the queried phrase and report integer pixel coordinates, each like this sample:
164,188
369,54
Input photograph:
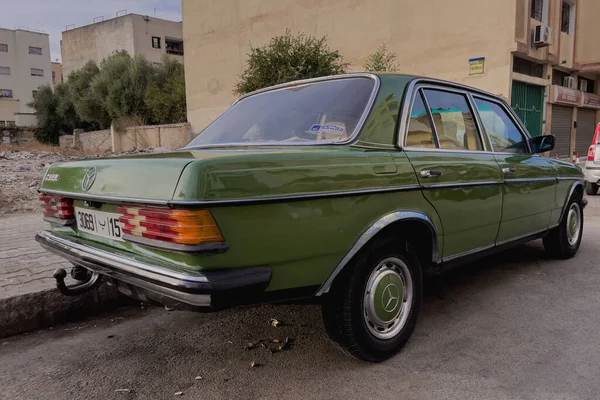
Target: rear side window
453,120
420,133
500,128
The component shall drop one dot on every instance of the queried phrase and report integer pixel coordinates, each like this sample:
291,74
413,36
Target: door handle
430,173
510,170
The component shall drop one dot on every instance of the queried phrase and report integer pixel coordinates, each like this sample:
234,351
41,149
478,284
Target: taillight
57,207
190,227
592,153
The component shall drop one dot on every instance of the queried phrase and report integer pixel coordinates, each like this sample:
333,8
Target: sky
52,16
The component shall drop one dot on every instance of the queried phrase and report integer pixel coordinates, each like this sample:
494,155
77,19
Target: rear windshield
322,112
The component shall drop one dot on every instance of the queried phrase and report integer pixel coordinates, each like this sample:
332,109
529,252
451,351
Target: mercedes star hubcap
388,298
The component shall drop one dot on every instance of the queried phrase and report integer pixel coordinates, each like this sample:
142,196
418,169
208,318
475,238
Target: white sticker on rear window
330,128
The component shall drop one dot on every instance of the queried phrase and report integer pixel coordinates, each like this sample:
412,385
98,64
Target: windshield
322,112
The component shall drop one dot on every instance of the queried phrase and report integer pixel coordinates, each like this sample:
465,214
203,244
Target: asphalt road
515,326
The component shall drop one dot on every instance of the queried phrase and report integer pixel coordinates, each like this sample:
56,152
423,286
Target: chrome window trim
465,93
351,138
372,231
512,115
419,92
472,92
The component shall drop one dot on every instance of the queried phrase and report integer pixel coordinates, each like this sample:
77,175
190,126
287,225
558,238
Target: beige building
57,74
549,74
24,66
137,34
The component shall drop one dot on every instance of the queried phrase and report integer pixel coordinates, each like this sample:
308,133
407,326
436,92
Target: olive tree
287,58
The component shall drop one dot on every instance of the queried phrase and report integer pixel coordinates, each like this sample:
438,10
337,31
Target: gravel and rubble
22,171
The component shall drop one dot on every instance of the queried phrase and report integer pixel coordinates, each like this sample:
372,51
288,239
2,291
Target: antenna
123,11
154,12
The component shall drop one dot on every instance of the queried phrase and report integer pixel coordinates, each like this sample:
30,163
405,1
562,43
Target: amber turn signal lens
189,227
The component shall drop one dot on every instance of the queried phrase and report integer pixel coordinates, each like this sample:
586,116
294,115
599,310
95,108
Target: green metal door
528,102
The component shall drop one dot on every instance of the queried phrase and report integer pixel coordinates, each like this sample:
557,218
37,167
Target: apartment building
137,34
543,56
24,66
57,73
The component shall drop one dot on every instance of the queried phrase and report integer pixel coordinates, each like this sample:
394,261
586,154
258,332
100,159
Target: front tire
563,241
591,189
372,309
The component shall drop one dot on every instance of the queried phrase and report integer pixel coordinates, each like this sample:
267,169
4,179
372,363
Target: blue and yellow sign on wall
476,65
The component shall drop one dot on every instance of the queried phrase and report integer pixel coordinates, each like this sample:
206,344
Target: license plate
99,223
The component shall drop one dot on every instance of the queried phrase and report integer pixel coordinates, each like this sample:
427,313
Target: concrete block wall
135,137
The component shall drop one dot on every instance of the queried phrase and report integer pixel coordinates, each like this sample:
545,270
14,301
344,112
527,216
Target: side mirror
542,144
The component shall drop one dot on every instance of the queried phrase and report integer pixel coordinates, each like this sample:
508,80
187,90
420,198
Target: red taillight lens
596,136
592,153
57,207
191,227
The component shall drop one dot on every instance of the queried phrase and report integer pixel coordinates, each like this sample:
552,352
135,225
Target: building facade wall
95,42
57,74
429,37
144,28
20,80
132,33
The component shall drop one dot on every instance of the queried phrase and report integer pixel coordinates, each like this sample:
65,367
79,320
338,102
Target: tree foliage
287,58
382,60
49,122
165,96
121,87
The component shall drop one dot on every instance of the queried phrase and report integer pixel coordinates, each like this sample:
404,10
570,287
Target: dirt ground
22,171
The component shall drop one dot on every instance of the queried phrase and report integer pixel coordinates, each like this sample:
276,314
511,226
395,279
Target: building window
537,10
558,77
37,72
567,21
589,85
4,70
35,50
527,67
155,42
6,93
10,123
174,46
53,77
34,93
3,47
2,124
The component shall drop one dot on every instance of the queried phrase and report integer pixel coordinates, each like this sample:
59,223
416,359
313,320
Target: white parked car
592,165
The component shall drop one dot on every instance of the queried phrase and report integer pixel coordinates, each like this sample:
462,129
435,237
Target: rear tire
591,189
563,241
372,308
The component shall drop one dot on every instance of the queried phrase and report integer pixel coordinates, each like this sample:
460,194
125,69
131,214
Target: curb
31,311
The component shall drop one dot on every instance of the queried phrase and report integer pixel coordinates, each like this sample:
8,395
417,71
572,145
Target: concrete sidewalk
28,297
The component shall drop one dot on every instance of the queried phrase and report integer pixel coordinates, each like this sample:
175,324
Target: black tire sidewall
355,336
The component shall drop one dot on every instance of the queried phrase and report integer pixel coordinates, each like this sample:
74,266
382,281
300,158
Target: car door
458,176
529,179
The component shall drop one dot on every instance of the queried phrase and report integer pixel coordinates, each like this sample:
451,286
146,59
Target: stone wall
135,137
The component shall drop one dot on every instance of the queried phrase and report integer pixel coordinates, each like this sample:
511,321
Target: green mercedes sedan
350,189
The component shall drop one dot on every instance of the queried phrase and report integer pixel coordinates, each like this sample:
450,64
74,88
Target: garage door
561,128
586,125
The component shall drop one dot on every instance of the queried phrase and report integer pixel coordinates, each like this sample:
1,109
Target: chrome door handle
430,173
509,170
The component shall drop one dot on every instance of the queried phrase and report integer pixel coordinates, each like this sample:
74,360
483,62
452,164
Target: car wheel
564,240
591,188
371,310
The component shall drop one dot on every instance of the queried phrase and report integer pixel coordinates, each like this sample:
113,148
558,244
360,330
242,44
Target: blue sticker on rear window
330,128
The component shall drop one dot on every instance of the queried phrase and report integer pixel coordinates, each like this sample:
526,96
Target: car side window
420,133
453,120
500,128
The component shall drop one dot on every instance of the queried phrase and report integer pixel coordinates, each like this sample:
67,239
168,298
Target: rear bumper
143,279
592,173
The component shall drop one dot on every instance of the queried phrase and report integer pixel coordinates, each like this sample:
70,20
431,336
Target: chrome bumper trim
193,288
